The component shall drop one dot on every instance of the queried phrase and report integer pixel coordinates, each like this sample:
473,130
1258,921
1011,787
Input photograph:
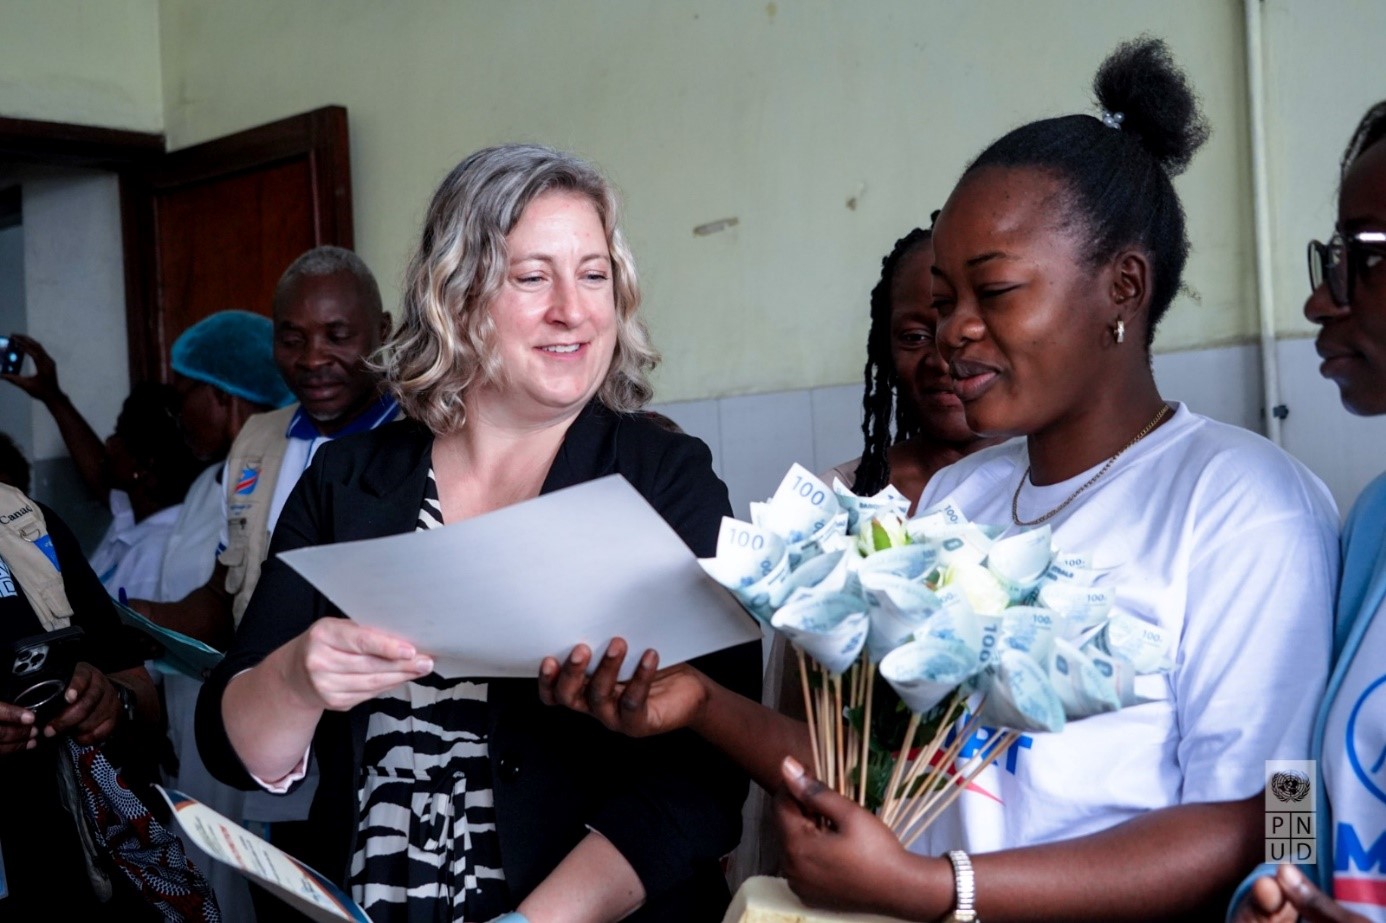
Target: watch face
127,700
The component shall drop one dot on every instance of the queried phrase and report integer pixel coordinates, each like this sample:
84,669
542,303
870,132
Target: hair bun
1141,81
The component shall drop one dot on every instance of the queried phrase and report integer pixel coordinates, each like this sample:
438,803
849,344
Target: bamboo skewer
980,759
836,742
847,688
808,710
931,773
940,772
1003,743
922,761
825,711
956,781
816,706
994,750
910,768
862,767
832,716
849,732
849,699
891,802
841,754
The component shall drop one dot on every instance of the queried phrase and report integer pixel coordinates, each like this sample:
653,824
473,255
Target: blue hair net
233,351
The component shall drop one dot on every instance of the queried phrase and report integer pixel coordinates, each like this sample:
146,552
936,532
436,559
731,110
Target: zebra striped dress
427,850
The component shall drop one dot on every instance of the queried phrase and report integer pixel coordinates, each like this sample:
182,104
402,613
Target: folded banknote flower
976,630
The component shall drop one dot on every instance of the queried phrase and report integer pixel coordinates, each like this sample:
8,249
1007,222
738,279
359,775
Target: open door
213,226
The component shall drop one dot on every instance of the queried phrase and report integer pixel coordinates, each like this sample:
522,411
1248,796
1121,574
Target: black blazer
671,804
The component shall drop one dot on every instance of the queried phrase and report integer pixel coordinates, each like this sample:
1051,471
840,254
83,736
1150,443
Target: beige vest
23,537
252,471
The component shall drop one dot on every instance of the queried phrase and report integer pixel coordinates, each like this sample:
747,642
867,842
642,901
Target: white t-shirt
1354,771
1227,543
192,544
130,556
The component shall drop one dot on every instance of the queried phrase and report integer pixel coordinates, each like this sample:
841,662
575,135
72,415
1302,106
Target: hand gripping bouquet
917,636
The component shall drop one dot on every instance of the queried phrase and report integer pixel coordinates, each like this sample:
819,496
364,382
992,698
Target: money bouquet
916,636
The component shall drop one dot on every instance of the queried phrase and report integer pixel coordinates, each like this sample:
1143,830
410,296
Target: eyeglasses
1340,261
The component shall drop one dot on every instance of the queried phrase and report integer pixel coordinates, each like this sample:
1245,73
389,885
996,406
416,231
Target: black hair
881,404
1370,130
14,467
1118,181
148,427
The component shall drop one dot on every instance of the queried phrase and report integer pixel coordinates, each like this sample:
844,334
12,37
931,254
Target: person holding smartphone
142,470
108,696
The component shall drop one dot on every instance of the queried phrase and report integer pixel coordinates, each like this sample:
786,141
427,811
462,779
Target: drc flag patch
245,485
45,544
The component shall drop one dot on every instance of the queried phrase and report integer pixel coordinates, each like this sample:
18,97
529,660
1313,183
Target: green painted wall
91,62
825,129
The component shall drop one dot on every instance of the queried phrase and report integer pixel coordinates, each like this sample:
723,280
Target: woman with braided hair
912,426
912,422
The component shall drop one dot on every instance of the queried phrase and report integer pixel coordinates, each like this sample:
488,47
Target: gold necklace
1015,498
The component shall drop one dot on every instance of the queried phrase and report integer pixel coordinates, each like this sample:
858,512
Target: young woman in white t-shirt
1055,257
1348,301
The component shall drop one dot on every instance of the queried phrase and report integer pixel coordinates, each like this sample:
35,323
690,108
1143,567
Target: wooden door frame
83,146
143,167
320,134
27,141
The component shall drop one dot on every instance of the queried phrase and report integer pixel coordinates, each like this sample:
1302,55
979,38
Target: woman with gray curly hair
520,362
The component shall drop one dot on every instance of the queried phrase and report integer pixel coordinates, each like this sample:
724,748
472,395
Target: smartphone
11,356
35,671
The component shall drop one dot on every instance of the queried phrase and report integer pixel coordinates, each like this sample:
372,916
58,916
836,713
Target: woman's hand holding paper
334,665
337,664
652,701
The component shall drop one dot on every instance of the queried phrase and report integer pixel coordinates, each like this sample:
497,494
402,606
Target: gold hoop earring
1120,330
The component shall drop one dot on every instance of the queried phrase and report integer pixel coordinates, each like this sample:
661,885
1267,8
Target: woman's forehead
1363,196
997,207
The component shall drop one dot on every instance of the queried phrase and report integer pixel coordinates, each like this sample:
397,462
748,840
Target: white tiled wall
1346,451
755,438
1223,383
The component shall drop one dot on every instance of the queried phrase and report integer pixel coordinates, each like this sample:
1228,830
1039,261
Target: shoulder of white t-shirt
994,464
1231,455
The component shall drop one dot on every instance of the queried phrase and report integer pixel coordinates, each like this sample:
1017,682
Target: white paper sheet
494,595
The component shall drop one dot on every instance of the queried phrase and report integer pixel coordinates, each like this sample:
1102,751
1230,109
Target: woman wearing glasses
1348,303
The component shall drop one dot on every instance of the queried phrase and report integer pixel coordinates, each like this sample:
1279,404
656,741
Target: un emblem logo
1289,786
1365,753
